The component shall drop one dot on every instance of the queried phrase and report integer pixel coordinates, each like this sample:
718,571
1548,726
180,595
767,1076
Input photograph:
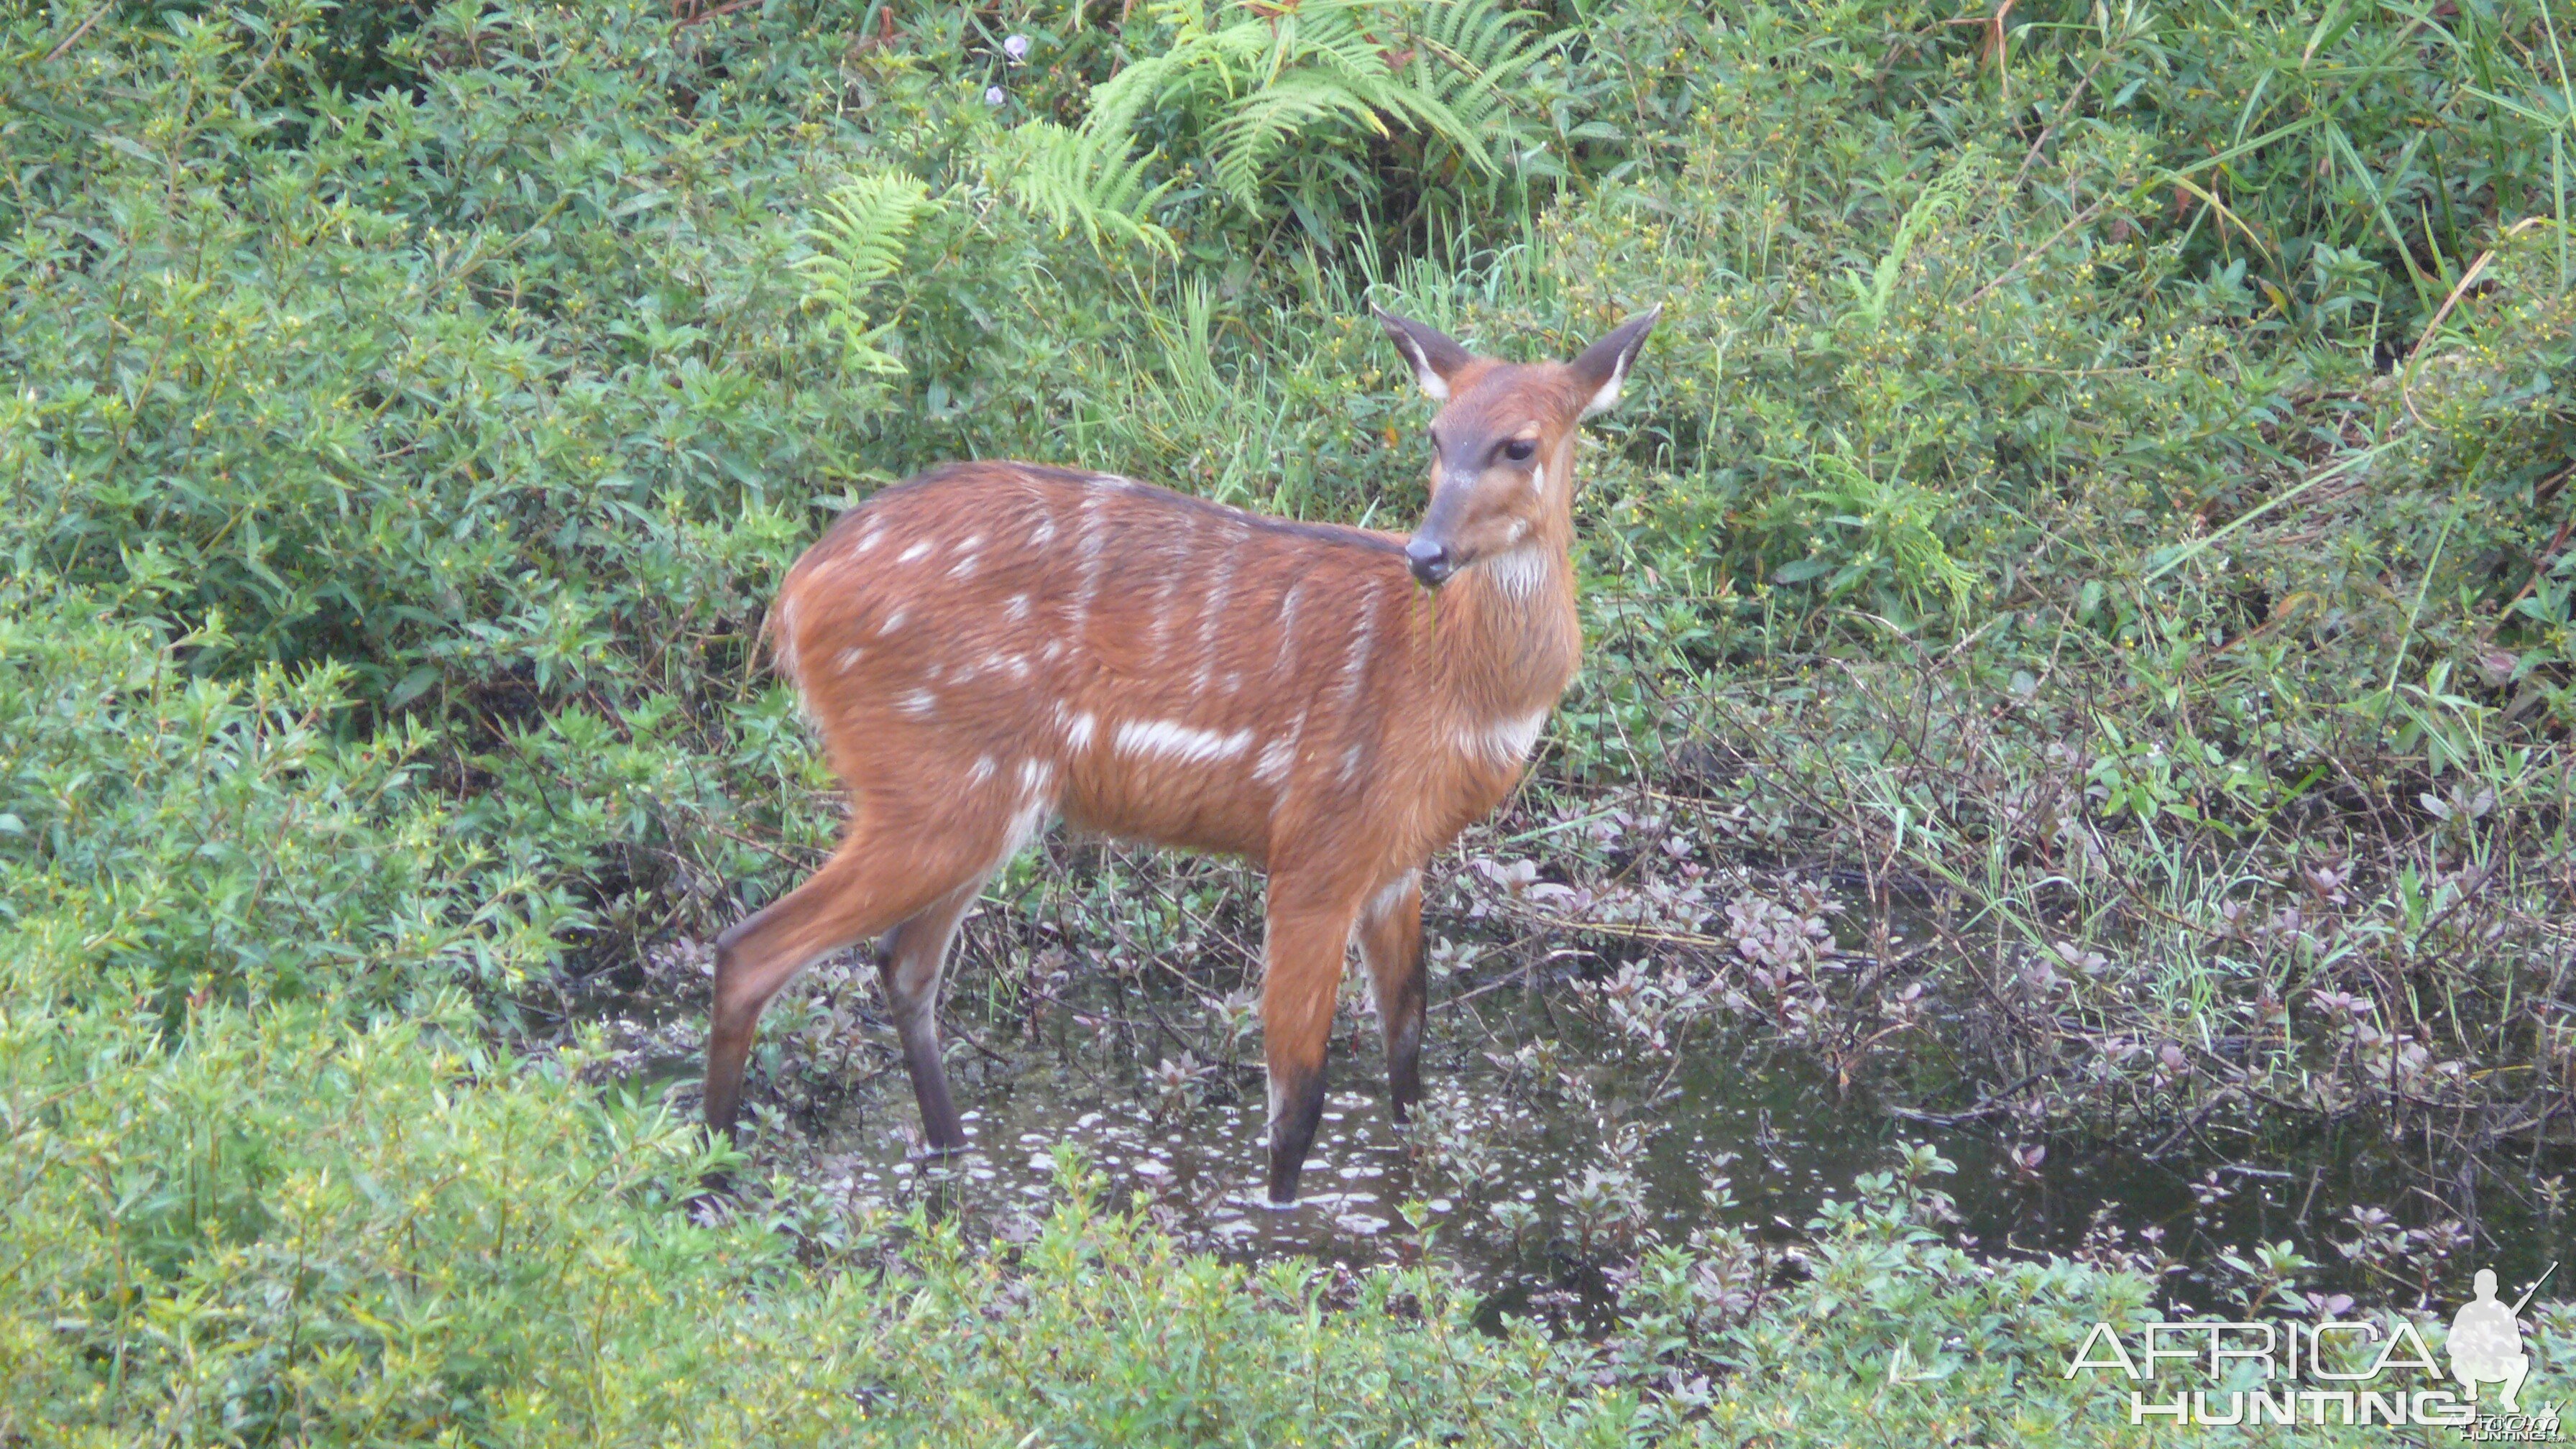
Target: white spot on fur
1351,761
1017,607
850,659
1036,778
918,704
983,770
1180,741
869,540
1077,735
1053,649
914,552
1043,534
892,622
962,568
1538,480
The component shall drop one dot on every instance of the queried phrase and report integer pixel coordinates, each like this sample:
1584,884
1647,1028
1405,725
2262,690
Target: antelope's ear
1604,365
1434,356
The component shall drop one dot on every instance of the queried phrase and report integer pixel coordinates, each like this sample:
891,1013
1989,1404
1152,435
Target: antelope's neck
1508,639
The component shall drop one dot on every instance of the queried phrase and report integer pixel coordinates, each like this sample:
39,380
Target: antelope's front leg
1308,942
1390,938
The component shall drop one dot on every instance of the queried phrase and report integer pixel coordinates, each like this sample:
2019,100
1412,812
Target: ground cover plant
2080,652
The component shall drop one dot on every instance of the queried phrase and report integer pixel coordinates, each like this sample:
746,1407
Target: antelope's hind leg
868,887
1390,936
910,972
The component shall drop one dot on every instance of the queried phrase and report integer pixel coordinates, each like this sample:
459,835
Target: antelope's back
1155,665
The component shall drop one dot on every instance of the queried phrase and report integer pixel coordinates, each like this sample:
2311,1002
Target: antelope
989,645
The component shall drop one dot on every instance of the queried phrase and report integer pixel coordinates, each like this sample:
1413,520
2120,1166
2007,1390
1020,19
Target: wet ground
1550,1147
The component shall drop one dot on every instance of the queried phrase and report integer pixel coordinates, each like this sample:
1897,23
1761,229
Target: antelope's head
1502,445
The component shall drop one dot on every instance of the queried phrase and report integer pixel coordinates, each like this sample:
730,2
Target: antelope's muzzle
1429,559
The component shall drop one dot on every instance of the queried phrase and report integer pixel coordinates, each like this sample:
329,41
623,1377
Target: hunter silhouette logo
2486,1341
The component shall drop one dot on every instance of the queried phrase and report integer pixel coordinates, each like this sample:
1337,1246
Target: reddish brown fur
994,643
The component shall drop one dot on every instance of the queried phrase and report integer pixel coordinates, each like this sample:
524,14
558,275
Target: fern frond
857,237
1087,179
1257,129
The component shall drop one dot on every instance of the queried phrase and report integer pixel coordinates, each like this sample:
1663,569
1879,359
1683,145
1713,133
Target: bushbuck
989,645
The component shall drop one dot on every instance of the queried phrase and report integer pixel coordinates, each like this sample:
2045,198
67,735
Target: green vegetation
2101,484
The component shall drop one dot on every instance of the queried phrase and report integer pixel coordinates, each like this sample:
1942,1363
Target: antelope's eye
1519,450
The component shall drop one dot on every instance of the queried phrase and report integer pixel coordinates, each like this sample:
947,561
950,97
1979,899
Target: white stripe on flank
1161,628
1280,754
1288,625
1211,618
1355,667
1181,742
1089,532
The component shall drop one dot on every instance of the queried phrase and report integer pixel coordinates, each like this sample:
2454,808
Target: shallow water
1768,1122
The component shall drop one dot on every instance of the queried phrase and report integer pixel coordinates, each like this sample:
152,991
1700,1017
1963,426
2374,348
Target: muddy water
1767,1125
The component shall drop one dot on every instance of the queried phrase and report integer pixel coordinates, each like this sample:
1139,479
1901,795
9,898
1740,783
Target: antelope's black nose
1430,560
